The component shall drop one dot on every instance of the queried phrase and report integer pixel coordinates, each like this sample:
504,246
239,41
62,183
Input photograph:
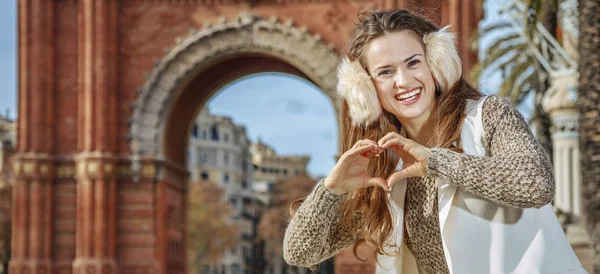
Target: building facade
219,150
106,104
7,139
271,170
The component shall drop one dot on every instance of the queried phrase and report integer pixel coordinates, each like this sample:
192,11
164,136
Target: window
235,269
195,131
285,171
226,137
226,178
271,187
204,135
244,184
226,157
202,158
204,175
214,133
245,252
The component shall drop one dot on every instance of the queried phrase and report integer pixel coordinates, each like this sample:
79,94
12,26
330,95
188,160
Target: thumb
397,176
376,181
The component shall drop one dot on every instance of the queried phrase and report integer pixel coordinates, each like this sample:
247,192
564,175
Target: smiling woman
435,176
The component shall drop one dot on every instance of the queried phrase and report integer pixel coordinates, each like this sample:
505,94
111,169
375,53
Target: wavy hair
450,103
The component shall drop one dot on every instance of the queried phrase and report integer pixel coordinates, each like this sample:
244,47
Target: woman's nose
401,79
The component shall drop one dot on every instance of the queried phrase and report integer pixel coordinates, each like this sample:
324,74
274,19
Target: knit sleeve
312,236
517,171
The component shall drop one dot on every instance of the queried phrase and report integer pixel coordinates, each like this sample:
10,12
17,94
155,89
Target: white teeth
411,94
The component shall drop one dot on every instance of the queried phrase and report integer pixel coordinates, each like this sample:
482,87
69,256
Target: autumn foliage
273,223
211,229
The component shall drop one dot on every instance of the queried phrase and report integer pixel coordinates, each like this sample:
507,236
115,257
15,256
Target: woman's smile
409,97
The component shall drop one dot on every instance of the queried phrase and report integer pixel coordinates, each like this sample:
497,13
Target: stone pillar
464,17
32,214
33,164
560,103
96,214
97,137
171,250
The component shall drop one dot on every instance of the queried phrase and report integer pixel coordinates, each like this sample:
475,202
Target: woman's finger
390,143
389,136
364,142
376,181
360,150
408,172
396,177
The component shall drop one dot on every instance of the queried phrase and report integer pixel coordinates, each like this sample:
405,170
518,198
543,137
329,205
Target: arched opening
205,85
250,144
184,80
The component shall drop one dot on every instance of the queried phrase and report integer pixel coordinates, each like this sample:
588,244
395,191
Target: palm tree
589,128
522,73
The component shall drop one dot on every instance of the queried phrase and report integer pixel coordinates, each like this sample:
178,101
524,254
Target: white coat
480,236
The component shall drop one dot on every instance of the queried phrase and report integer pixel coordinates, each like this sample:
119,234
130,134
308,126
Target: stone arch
246,36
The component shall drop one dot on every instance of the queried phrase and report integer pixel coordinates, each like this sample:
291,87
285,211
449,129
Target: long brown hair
372,202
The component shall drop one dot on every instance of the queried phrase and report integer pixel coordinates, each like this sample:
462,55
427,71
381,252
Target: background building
7,142
219,151
271,170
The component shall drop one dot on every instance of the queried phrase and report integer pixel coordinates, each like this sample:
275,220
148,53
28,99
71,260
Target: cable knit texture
517,172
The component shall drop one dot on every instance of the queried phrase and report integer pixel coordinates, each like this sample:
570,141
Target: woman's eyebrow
405,60
411,57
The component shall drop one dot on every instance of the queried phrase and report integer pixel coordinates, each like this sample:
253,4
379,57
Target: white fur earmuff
357,88
442,58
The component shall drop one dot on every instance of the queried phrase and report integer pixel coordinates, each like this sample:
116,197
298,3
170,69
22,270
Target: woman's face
405,86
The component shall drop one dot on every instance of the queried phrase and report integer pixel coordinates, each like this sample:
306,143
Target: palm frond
495,26
523,87
507,86
504,41
517,52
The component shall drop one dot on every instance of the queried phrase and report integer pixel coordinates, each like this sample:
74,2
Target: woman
435,176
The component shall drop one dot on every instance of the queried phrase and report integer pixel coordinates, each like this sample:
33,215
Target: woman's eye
413,62
385,72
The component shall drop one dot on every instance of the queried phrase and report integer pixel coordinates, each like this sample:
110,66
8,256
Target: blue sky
8,57
288,113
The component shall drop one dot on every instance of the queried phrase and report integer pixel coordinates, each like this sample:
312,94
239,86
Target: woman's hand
350,172
414,157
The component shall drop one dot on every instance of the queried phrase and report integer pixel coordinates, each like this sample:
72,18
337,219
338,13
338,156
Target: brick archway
210,58
98,185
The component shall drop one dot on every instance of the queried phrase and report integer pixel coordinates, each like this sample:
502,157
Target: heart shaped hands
413,155
350,172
